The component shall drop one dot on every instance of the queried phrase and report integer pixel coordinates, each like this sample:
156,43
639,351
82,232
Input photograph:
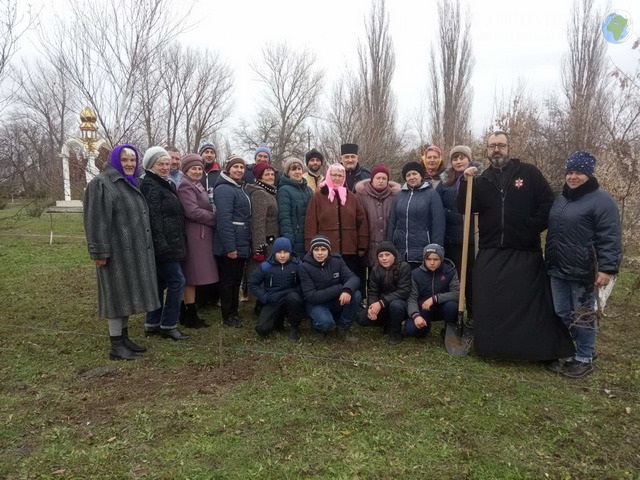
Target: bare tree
451,65
107,59
292,85
378,139
584,80
186,97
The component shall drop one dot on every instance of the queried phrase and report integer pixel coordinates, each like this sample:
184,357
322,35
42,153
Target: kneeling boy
330,289
389,289
276,284
435,290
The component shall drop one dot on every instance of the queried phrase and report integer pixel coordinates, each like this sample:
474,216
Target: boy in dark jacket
276,285
389,289
435,289
330,289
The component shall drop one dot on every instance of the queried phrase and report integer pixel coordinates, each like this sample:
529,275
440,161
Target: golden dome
87,115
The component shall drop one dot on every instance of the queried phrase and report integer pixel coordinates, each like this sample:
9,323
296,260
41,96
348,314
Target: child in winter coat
330,289
276,285
435,290
389,289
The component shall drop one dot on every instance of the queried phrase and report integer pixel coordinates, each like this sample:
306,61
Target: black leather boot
131,345
191,318
119,351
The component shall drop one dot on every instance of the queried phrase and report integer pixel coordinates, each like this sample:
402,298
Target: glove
258,257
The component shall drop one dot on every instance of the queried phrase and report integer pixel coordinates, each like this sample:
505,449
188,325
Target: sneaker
576,369
294,335
394,339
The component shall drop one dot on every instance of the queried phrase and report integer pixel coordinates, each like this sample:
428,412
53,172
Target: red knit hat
380,169
259,168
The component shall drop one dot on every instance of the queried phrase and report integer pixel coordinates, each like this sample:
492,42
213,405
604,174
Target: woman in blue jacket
417,216
232,239
582,252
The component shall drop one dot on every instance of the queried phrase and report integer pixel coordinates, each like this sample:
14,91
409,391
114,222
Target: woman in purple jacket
199,268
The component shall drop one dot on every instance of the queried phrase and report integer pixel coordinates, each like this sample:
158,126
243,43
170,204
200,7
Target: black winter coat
513,206
584,234
324,282
389,284
355,175
166,217
273,281
442,284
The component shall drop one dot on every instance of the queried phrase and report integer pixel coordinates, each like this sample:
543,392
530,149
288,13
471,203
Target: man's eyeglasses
493,146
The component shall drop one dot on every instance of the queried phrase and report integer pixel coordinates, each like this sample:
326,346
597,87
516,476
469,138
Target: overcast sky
512,41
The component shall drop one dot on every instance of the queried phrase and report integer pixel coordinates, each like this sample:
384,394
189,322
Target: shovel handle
465,244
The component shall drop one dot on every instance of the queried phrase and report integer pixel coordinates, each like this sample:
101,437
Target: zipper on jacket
406,226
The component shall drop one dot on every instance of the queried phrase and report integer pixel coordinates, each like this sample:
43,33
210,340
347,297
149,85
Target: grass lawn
226,404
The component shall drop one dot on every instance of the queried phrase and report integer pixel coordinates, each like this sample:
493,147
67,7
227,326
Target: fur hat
152,155
263,147
232,160
433,248
582,162
320,241
313,153
189,160
349,149
413,166
259,169
387,246
204,145
463,149
290,162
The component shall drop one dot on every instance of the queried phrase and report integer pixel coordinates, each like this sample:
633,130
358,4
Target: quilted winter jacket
273,281
323,282
584,235
233,229
442,283
293,198
417,219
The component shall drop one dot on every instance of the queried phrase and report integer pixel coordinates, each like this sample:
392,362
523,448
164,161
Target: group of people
353,245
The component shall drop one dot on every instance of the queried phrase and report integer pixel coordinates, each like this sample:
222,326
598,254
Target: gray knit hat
152,155
433,248
320,241
205,144
463,149
290,162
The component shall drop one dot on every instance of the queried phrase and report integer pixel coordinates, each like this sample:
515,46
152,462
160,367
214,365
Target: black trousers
273,314
230,271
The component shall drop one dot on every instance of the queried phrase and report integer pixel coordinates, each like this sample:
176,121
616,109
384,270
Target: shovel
458,338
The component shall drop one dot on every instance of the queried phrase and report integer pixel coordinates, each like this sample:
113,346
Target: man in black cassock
512,305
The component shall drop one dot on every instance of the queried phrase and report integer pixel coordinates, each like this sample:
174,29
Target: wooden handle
465,243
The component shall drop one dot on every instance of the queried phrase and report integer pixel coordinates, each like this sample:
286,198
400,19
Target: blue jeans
447,311
326,316
170,277
575,303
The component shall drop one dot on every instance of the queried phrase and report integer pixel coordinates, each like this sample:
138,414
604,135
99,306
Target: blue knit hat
282,243
582,162
205,144
263,147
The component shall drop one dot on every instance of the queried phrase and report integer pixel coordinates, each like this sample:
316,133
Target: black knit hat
386,246
313,153
413,166
349,149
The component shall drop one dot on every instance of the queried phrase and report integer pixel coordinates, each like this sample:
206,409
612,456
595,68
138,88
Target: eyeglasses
500,146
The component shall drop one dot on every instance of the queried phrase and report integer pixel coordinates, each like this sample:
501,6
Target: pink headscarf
342,191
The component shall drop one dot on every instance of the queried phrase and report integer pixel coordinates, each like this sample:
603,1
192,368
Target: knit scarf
269,188
340,189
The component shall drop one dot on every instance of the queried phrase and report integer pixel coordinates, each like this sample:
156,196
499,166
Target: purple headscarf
114,161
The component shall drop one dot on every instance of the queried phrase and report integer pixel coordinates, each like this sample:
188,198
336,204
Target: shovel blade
456,344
